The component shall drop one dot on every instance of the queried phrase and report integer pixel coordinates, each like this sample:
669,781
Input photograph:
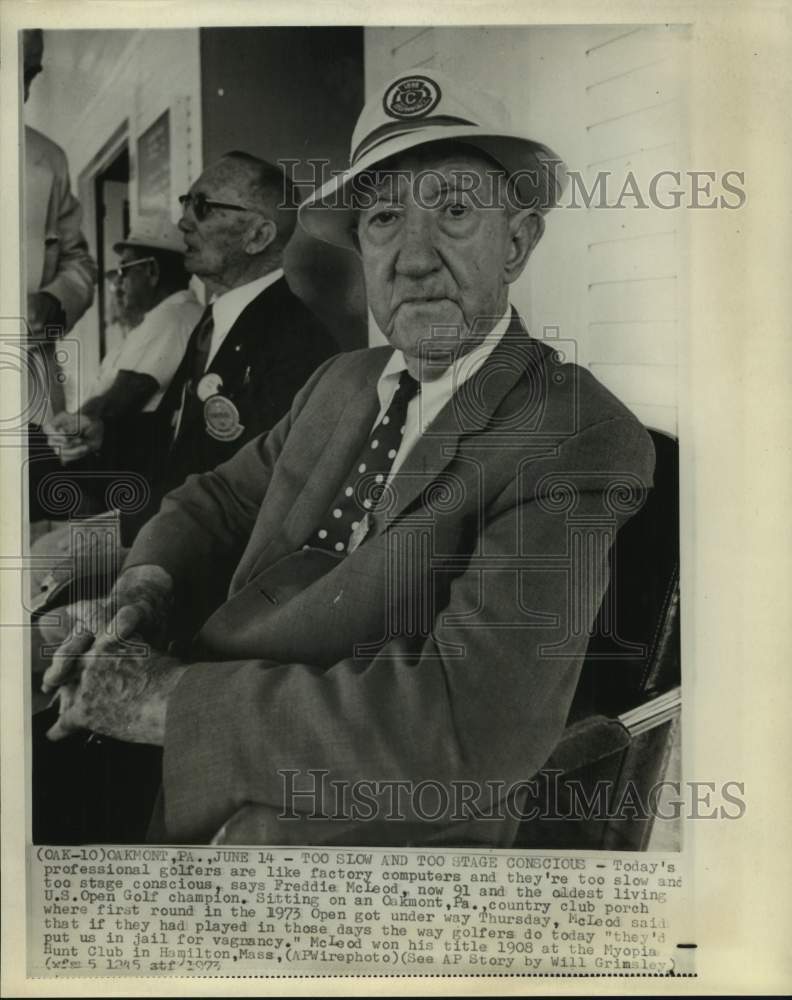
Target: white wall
602,98
93,82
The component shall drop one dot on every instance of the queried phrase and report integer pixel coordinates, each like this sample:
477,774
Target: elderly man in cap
116,426
151,284
403,611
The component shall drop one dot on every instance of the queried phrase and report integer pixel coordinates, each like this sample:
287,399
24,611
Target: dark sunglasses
202,206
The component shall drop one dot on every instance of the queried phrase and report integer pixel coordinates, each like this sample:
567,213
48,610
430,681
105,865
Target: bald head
238,218
268,189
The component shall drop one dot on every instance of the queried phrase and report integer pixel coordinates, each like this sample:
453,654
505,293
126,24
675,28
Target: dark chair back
625,714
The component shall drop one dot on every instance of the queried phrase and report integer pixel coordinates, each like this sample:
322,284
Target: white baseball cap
422,106
153,232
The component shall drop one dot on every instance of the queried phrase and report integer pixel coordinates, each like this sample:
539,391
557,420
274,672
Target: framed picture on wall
153,151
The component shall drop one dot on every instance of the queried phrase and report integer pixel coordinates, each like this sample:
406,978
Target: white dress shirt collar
435,394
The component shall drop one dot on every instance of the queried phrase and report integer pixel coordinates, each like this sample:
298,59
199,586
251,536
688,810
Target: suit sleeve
73,284
483,697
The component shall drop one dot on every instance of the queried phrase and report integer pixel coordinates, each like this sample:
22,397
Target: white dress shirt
228,307
425,406
154,347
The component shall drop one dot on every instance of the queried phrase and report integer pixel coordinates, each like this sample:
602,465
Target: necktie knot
408,386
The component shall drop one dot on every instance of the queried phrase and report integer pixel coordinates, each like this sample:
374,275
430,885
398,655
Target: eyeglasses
202,206
117,273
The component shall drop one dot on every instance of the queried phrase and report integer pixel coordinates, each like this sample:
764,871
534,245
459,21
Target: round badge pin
211,383
411,97
222,419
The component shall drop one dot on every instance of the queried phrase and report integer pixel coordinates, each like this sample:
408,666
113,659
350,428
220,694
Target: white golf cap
423,106
153,232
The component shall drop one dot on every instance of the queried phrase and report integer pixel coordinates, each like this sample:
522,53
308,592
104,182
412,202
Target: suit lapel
260,315
469,411
231,357
334,464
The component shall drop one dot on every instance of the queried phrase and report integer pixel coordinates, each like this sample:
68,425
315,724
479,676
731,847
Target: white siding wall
93,82
634,123
604,99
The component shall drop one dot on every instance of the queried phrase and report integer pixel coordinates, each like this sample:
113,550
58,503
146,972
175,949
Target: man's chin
192,263
427,322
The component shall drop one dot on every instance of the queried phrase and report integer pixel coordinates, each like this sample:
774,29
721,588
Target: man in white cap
406,614
117,425
151,282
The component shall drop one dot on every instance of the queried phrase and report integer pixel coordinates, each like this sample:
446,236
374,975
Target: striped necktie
200,342
193,368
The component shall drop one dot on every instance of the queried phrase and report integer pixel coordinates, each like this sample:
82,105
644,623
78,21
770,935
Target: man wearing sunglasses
117,425
150,287
256,344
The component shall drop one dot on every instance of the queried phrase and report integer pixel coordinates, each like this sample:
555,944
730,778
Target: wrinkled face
434,248
215,245
32,50
135,287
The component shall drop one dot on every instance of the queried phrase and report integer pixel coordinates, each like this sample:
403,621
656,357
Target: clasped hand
108,676
74,435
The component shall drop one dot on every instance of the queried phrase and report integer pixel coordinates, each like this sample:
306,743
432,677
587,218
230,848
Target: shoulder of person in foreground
585,417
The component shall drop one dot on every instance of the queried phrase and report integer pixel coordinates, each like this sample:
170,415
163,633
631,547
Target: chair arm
587,741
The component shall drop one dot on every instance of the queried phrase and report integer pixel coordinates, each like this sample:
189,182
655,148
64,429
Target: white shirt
154,347
228,307
425,406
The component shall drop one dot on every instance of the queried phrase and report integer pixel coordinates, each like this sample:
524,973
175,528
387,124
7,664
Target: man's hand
143,596
118,693
140,602
74,435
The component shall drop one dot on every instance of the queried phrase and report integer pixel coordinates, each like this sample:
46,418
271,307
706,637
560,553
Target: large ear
261,233
525,230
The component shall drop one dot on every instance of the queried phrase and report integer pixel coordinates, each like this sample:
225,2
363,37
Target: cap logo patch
411,97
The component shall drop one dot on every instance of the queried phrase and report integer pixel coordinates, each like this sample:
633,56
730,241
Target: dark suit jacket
446,648
267,355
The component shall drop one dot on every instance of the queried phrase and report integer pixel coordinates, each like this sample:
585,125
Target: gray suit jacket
58,260
446,649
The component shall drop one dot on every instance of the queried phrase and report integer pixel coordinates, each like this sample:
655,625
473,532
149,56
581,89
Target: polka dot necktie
346,523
